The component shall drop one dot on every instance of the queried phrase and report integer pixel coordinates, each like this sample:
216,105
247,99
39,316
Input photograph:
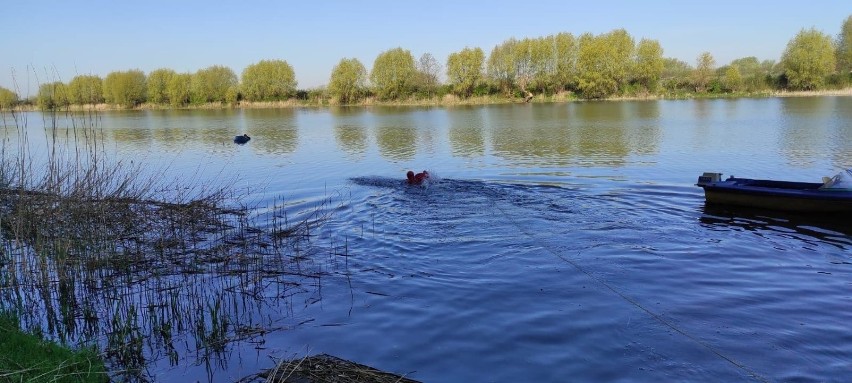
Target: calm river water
557,242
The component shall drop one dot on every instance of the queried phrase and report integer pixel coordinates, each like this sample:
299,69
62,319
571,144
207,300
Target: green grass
28,358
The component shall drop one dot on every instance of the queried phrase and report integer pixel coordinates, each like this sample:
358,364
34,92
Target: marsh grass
102,251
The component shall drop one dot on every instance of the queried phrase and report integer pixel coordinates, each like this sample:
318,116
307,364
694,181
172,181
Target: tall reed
101,251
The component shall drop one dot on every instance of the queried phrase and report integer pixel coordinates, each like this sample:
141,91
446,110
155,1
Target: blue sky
42,41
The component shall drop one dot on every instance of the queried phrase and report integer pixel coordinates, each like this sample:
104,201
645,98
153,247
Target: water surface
556,241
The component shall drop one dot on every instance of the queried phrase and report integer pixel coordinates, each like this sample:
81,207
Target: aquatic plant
103,251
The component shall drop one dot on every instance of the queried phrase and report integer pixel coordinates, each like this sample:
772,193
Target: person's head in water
417,179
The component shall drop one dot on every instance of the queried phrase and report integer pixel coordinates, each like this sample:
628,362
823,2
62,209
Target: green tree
86,89
52,95
565,56
604,63
268,80
125,88
541,54
393,74
158,83
464,70
676,74
751,73
179,89
732,79
212,84
704,72
808,59
525,69
649,64
8,99
501,65
844,48
348,81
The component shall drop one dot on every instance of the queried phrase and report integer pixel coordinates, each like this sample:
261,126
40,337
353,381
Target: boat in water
832,196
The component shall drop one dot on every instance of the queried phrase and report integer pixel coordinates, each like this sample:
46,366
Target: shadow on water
828,229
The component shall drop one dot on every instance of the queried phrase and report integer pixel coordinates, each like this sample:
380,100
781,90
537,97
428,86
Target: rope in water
632,301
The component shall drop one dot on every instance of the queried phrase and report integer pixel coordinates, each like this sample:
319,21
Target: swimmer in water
417,179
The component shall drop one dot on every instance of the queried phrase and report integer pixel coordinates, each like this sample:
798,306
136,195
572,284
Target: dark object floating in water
326,368
241,139
830,197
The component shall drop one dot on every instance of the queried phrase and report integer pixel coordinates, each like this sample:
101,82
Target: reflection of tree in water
465,135
176,130
396,142
581,134
352,139
804,131
643,126
273,131
841,134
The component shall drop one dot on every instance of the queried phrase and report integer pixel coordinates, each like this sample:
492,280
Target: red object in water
417,179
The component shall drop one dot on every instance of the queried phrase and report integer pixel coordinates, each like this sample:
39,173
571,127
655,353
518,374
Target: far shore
445,101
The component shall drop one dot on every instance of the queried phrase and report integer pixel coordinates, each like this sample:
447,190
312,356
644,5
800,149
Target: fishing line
628,299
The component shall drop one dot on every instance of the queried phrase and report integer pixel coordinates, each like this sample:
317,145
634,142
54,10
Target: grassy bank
28,358
450,100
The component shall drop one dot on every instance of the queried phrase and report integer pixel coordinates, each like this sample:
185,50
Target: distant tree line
587,66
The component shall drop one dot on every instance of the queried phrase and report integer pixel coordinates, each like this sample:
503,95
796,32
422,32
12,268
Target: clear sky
42,41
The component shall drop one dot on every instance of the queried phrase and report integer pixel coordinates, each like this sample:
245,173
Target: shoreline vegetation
446,101
554,68
88,241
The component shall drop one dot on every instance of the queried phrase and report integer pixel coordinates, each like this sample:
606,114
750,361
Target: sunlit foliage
732,79
268,80
464,70
649,64
212,84
158,83
393,74
844,48
8,99
348,81
501,65
126,88
179,89
704,72
52,95
565,57
808,59
604,63
675,74
85,89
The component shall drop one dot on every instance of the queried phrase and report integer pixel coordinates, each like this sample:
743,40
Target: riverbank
444,101
28,358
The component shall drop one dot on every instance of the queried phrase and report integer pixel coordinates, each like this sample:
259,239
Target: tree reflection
276,131
465,135
578,134
803,141
352,139
841,144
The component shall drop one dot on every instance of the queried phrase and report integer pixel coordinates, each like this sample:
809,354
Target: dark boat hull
801,197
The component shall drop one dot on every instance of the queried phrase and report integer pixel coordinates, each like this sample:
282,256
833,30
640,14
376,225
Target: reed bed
94,252
325,368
